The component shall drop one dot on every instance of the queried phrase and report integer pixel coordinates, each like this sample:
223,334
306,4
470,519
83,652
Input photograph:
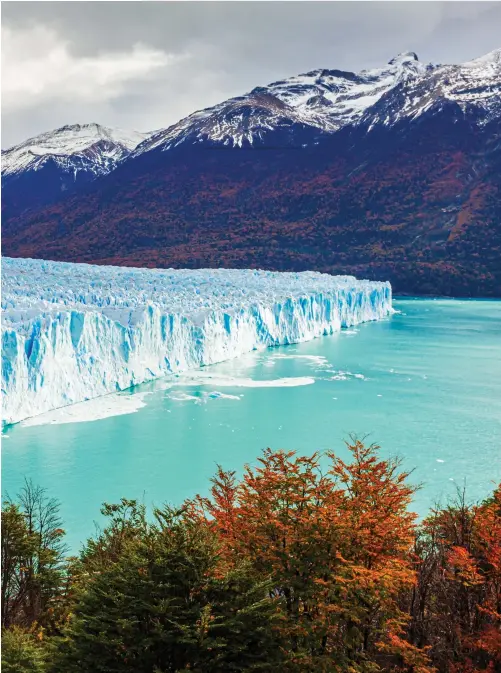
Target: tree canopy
304,564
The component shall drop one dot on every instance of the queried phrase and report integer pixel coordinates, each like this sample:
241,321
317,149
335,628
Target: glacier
73,332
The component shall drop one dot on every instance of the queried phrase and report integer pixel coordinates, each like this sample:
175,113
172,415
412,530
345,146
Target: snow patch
91,146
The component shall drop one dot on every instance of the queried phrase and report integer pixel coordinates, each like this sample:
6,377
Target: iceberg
73,332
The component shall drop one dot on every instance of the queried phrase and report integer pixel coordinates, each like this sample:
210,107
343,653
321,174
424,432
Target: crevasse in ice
72,332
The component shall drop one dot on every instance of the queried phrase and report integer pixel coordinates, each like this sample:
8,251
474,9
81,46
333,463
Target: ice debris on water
72,332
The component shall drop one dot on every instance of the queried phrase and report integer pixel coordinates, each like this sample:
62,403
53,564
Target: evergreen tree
167,604
305,565
22,653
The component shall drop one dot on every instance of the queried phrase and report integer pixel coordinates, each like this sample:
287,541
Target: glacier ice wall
72,332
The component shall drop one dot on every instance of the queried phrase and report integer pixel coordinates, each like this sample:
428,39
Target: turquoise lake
424,384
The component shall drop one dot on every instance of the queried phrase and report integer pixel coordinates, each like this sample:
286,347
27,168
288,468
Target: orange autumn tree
334,537
488,641
456,609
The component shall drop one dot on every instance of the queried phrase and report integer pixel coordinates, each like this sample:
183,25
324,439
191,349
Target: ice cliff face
72,332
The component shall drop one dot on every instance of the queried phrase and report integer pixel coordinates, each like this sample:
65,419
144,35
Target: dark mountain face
408,190
53,165
32,189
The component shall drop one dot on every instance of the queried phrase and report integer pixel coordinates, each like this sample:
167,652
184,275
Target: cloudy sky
145,65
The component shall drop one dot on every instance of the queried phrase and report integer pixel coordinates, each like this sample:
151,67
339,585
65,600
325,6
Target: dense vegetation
305,564
417,204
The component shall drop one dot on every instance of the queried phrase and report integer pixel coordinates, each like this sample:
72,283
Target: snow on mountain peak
493,58
73,147
298,109
89,132
325,101
404,57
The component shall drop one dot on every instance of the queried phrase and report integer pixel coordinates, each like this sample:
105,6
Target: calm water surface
425,384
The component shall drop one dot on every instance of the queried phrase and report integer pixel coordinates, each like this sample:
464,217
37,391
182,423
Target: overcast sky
145,65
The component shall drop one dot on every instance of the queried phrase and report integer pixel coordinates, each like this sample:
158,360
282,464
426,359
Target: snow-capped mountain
81,147
473,87
324,101
395,173
43,168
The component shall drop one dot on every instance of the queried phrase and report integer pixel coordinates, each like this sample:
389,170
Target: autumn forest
306,563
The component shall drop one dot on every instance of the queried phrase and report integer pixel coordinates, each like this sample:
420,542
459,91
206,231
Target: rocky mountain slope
388,173
47,167
298,110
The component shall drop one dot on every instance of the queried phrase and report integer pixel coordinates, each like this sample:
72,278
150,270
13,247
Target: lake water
424,384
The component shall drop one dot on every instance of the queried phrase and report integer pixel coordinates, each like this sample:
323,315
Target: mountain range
391,173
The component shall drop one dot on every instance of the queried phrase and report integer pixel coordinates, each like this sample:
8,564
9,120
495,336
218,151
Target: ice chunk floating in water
72,332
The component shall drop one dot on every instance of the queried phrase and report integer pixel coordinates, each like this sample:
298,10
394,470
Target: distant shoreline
401,295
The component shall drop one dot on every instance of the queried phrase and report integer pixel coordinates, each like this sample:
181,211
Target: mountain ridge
410,192
328,100
45,167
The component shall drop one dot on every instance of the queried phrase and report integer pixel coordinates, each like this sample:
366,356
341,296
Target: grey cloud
230,47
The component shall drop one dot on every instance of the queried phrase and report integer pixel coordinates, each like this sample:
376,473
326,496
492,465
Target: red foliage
421,210
336,545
